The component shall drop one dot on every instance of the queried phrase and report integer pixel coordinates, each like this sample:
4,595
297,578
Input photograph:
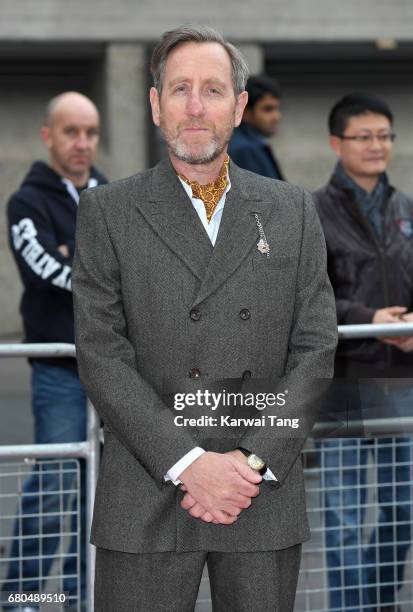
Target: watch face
255,462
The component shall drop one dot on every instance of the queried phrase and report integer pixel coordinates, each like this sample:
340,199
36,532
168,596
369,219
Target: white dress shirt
212,230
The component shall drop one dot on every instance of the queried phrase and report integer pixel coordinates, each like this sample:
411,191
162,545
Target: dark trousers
169,582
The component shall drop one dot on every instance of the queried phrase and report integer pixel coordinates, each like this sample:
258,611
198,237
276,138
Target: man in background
249,147
368,226
42,219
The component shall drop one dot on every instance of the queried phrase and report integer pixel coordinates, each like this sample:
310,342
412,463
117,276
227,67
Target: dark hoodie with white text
41,217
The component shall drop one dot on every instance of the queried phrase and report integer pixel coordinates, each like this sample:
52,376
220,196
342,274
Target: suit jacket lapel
237,234
170,213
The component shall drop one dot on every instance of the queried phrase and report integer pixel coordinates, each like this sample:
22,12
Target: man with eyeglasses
368,226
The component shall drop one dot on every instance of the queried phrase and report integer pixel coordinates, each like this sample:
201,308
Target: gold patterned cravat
211,193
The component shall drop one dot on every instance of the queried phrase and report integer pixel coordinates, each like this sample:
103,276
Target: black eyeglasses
384,138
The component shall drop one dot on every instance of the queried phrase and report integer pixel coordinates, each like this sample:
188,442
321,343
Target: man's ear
154,100
335,144
45,135
241,103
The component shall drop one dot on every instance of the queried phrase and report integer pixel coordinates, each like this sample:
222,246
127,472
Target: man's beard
196,153
204,155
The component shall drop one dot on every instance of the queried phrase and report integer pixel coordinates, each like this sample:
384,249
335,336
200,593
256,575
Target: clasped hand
218,487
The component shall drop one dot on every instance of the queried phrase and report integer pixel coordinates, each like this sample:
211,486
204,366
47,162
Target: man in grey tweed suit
197,270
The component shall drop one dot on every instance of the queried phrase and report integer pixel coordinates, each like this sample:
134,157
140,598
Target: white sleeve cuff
269,475
176,470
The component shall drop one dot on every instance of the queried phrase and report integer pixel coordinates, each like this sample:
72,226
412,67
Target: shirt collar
92,182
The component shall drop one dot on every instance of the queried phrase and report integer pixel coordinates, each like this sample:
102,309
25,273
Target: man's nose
195,105
82,141
375,142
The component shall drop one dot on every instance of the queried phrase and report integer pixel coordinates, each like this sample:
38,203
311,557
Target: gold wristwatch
255,462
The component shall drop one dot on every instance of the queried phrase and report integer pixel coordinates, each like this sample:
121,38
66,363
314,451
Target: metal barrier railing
359,499
359,503
88,450
314,593
42,498
375,330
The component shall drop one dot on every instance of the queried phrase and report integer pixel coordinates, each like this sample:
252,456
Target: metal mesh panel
359,503
40,503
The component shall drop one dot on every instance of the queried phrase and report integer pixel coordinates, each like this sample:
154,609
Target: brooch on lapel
262,244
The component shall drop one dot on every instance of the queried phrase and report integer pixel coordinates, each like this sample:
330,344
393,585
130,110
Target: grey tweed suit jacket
143,262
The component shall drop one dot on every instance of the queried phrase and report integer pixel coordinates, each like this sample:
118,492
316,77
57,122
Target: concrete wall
127,100
264,20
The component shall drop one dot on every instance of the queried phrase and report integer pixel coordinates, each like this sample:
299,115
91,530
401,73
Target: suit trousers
169,581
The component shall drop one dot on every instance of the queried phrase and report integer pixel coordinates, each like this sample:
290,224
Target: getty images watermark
229,400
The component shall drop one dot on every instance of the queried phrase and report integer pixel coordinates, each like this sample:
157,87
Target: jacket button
245,314
194,373
195,314
246,375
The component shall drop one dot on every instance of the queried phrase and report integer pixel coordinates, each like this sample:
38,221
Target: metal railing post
92,468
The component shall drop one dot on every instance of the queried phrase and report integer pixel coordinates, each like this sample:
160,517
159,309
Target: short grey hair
197,34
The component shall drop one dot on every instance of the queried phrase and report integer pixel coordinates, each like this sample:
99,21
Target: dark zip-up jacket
368,272
250,150
41,216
